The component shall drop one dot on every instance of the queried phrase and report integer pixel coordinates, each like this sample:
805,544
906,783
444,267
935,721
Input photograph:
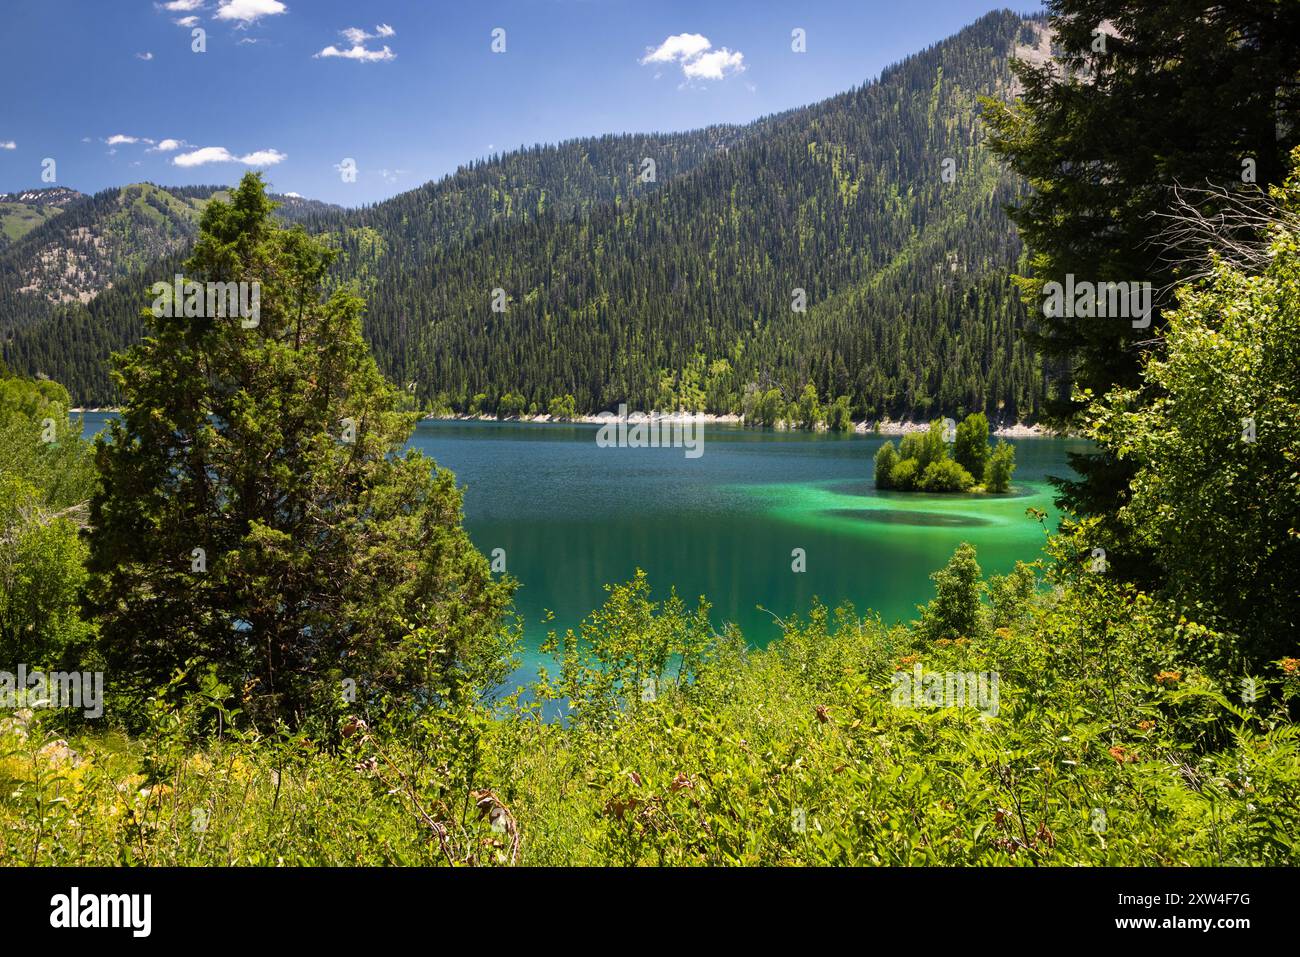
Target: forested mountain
22,212
881,204
72,287
689,292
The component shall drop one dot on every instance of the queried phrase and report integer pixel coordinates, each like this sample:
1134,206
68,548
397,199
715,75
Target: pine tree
1141,96
256,514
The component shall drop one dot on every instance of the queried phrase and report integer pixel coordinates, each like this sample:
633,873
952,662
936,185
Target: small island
959,461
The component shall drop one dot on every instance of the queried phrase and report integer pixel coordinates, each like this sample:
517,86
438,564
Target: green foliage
945,476
971,447
808,412
276,450
1209,95
905,475
562,408
923,462
925,447
47,476
1103,746
839,416
510,406
955,611
886,462
1214,440
770,410
629,649
1001,465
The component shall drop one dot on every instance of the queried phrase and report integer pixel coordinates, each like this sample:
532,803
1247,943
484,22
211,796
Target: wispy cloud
219,154
182,6
147,55
186,21
249,11
120,139
8,145
358,51
167,146
697,57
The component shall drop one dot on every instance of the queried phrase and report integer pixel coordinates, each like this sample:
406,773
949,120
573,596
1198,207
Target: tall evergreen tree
257,514
1139,96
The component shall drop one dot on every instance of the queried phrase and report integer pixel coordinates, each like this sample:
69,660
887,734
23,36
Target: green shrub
838,416
1001,465
886,462
971,447
945,476
903,476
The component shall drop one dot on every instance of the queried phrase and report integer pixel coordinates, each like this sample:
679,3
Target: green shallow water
572,516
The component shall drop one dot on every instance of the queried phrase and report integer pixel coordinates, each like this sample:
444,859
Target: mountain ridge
901,270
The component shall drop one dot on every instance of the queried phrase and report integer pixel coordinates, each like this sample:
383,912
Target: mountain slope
689,291
22,212
679,291
44,331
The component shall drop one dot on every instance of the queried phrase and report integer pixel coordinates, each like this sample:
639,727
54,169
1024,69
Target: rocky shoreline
1016,430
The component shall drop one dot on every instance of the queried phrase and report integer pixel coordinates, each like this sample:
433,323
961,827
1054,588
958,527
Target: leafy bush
971,446
886,462
903,476
1104,744
923,462
838,416
1215,498
1001,465
945,476
562,408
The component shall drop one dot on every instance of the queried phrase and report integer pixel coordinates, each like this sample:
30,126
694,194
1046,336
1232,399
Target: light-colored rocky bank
1017,430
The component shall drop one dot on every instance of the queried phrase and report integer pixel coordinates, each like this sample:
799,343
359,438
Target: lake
572,516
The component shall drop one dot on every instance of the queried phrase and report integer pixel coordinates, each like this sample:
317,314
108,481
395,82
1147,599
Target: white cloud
358,37
117,139
219,154
167,146
8,145
696,56
714,65
186,21
359,53
145,56
183,6
249,11
293,195
263,158
682,46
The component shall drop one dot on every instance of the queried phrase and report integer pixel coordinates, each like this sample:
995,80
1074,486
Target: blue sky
416,90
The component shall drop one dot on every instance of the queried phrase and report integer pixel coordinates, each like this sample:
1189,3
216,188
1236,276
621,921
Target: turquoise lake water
572,516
